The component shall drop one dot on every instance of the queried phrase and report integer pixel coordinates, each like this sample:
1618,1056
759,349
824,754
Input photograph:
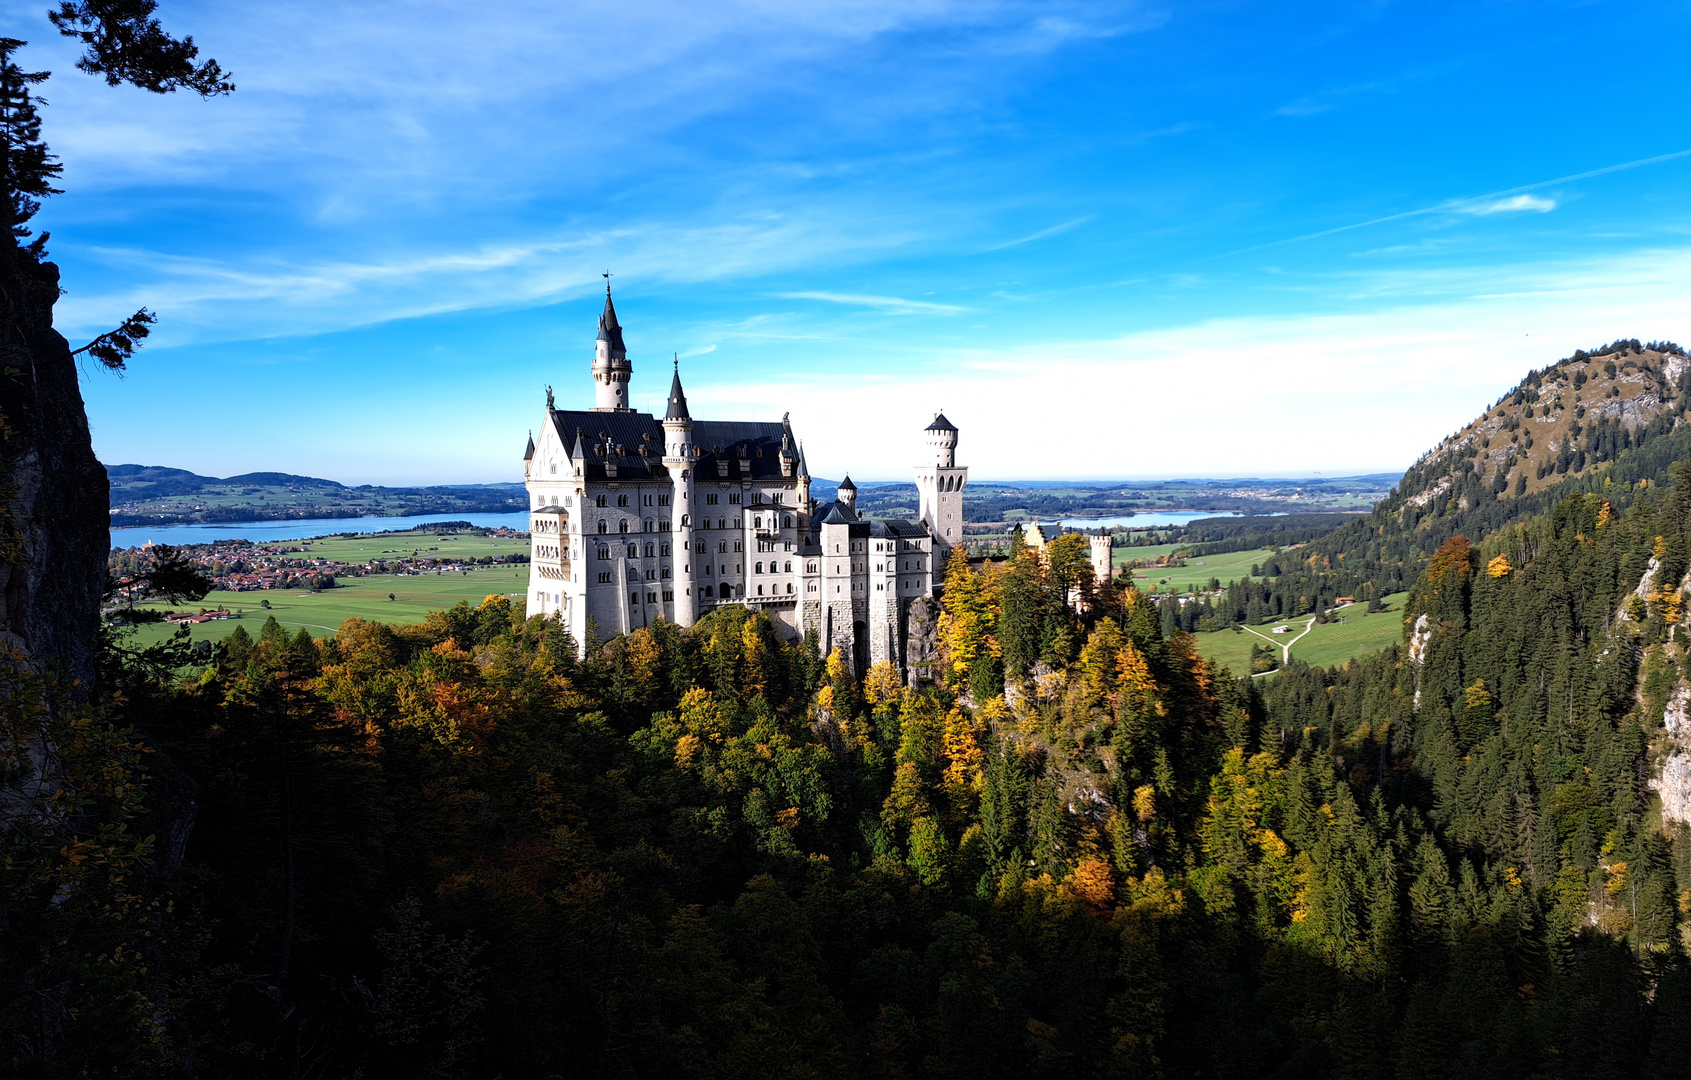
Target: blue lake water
299,530
1148,521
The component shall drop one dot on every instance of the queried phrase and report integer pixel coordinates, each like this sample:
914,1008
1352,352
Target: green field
1228,567
366,597
1328,645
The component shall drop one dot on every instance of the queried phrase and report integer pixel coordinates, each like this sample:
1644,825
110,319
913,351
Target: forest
460,849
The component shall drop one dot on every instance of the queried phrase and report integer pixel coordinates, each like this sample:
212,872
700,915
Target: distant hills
158,495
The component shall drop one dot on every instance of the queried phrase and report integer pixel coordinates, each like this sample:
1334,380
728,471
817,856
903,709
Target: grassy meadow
1354,633
1227,567
366,597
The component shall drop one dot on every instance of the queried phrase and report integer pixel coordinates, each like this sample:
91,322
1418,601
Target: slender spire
609,331
528,455
677,397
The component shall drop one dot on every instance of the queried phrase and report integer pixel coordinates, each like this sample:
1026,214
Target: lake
265,531
1159,520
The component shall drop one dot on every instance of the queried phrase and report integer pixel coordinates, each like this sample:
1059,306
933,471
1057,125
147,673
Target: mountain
158,495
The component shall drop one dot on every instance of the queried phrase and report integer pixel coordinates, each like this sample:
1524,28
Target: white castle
636,519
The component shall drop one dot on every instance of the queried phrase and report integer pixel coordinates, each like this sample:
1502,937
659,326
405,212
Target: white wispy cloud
1055,230
1513,204
896,305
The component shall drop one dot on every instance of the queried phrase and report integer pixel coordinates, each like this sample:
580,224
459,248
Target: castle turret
847,495
611,369
678,460
940,489
1100,547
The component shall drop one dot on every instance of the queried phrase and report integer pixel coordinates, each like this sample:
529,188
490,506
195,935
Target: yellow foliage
687,750
1093,883
1499,567
1605,513
1145,802
788,819
1667,603
1512,878
1616,884
882,683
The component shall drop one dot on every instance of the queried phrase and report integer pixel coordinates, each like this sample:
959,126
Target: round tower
1100,546
678,459
942,440
847,496
611,369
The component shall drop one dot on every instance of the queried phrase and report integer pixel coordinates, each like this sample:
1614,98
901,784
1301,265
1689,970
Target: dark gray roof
677,399
528,455
838,515
847,485
941,424
608,328
835,513
751,448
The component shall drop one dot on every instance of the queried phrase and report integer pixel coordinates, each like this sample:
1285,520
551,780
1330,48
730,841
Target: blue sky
1110,240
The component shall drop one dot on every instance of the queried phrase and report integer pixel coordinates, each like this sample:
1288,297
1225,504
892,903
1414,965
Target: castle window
669,594
633,552
663,525
787,521
736,545
651,598
757,496
789,586
708,595
789,568
722,546
622,500
683,521
663,549
663,500
599,501
776,498
810,568
760,568
665,572
648,500
604,553
710,499
648,525
733,497
622,526
605,578
760,590
634,598
651,575
648,551
757,523
700,548
603,528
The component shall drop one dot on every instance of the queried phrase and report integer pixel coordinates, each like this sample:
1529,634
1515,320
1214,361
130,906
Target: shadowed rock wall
54,535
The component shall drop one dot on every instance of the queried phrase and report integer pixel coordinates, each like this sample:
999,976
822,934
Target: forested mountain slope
1610,422
454,849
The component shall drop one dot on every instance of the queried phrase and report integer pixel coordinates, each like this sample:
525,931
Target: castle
636,519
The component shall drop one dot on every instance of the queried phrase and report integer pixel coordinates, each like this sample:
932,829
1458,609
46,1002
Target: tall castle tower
1100,547
678,458
940,487
611,369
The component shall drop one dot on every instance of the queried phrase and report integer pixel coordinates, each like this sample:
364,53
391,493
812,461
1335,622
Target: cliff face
54,493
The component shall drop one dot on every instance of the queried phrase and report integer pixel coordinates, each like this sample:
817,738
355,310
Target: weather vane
607,276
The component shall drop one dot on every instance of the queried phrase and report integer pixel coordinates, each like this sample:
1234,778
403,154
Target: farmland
415,593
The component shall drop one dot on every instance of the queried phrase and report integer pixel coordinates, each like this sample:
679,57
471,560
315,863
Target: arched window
634,598
787,521
622,500
760,590
633,552
789,568
789,586
603,528
604,553
622,526
757,522
648,551
759,568
649,527
708,592
722,523
683,521
600,501
722,546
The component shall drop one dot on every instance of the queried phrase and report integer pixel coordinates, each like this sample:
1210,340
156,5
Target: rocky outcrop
54,538
921,649
1673,783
